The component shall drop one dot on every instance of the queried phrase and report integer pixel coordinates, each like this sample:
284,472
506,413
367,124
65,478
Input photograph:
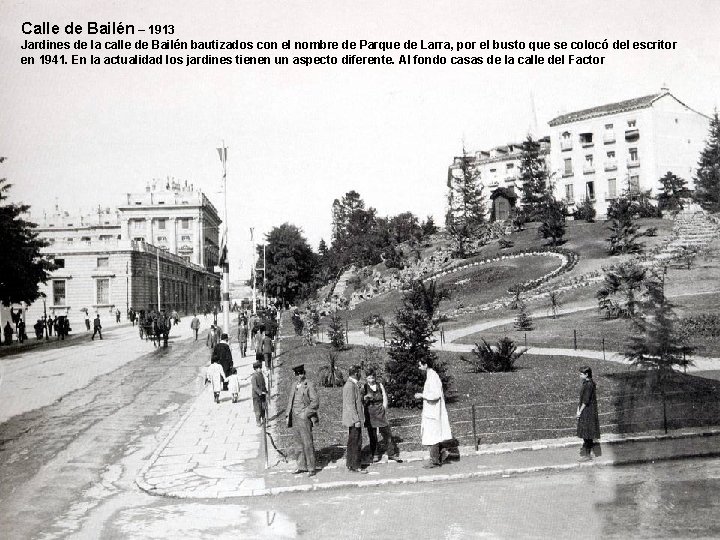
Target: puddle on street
201,521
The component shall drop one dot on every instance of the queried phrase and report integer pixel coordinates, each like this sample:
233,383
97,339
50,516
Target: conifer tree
707,178
336,331
658,344
624,232
552,217
523,321
673,188
465,217
412,338
533,177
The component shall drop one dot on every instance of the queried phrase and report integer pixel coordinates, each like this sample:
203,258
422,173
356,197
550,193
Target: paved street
143,418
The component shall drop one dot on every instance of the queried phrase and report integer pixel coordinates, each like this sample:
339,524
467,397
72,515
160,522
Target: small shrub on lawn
498,359
330,375
523,321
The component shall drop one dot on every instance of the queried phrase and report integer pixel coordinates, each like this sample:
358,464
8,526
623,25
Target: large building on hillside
108,260
601,152
499,174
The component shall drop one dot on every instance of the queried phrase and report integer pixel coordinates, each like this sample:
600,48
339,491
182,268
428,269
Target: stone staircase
694,229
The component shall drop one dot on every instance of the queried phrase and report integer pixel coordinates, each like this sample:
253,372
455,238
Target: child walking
234,384
216,376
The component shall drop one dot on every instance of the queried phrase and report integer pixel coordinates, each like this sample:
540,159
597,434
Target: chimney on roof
664,89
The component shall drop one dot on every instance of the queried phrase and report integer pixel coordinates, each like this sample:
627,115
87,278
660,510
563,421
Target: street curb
340,484
140,478
470,451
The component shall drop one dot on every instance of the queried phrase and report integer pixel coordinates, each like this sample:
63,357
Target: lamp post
224,263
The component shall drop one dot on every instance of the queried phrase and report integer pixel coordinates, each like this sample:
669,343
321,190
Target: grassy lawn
591,327
536,401
490,282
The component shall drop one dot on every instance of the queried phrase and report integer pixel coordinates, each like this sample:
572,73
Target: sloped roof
610,108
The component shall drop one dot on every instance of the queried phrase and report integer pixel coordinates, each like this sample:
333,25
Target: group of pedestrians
365,405
59,325
223,375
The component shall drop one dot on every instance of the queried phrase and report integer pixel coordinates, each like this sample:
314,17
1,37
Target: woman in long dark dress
588,428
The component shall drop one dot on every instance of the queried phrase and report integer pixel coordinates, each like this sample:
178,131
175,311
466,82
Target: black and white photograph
359,270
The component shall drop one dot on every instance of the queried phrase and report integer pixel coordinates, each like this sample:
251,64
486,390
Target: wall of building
666,136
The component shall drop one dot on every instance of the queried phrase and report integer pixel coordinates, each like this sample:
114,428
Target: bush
586,211
330,375
703,325
499,359
505,244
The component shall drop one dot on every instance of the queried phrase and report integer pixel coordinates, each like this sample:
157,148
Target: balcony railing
609,138
588,168
611,196
632,135
565,144
633,162
611,165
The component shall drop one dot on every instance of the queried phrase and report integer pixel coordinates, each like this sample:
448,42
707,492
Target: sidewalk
215,451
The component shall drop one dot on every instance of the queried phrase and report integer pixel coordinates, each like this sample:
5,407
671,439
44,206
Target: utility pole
127,290
224,263
157,255
252,272
264,279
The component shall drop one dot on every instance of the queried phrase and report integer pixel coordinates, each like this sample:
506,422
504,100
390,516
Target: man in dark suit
267,349
302,414
222,355
97,327
353,416
259,391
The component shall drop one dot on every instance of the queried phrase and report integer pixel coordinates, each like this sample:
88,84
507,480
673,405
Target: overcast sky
300,137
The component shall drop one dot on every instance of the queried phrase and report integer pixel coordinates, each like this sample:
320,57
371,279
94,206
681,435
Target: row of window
161,223
611,192
102,262
102,291
586,139
85,239
610,164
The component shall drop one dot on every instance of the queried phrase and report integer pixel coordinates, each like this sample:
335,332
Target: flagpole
252,273
224,249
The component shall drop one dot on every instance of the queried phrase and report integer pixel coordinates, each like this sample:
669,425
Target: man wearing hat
222,355
302,414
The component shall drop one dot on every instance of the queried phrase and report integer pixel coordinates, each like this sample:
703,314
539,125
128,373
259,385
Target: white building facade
110,259
602,152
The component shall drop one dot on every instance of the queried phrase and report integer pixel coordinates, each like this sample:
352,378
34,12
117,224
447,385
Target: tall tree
552,217
342,210
465,217
533,177
673,188
412,337
22,266
658,344
707,178
290,261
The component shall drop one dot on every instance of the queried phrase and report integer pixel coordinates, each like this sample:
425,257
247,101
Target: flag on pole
223,247
222,152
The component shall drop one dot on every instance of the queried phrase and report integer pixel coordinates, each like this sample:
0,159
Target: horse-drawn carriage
155,328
